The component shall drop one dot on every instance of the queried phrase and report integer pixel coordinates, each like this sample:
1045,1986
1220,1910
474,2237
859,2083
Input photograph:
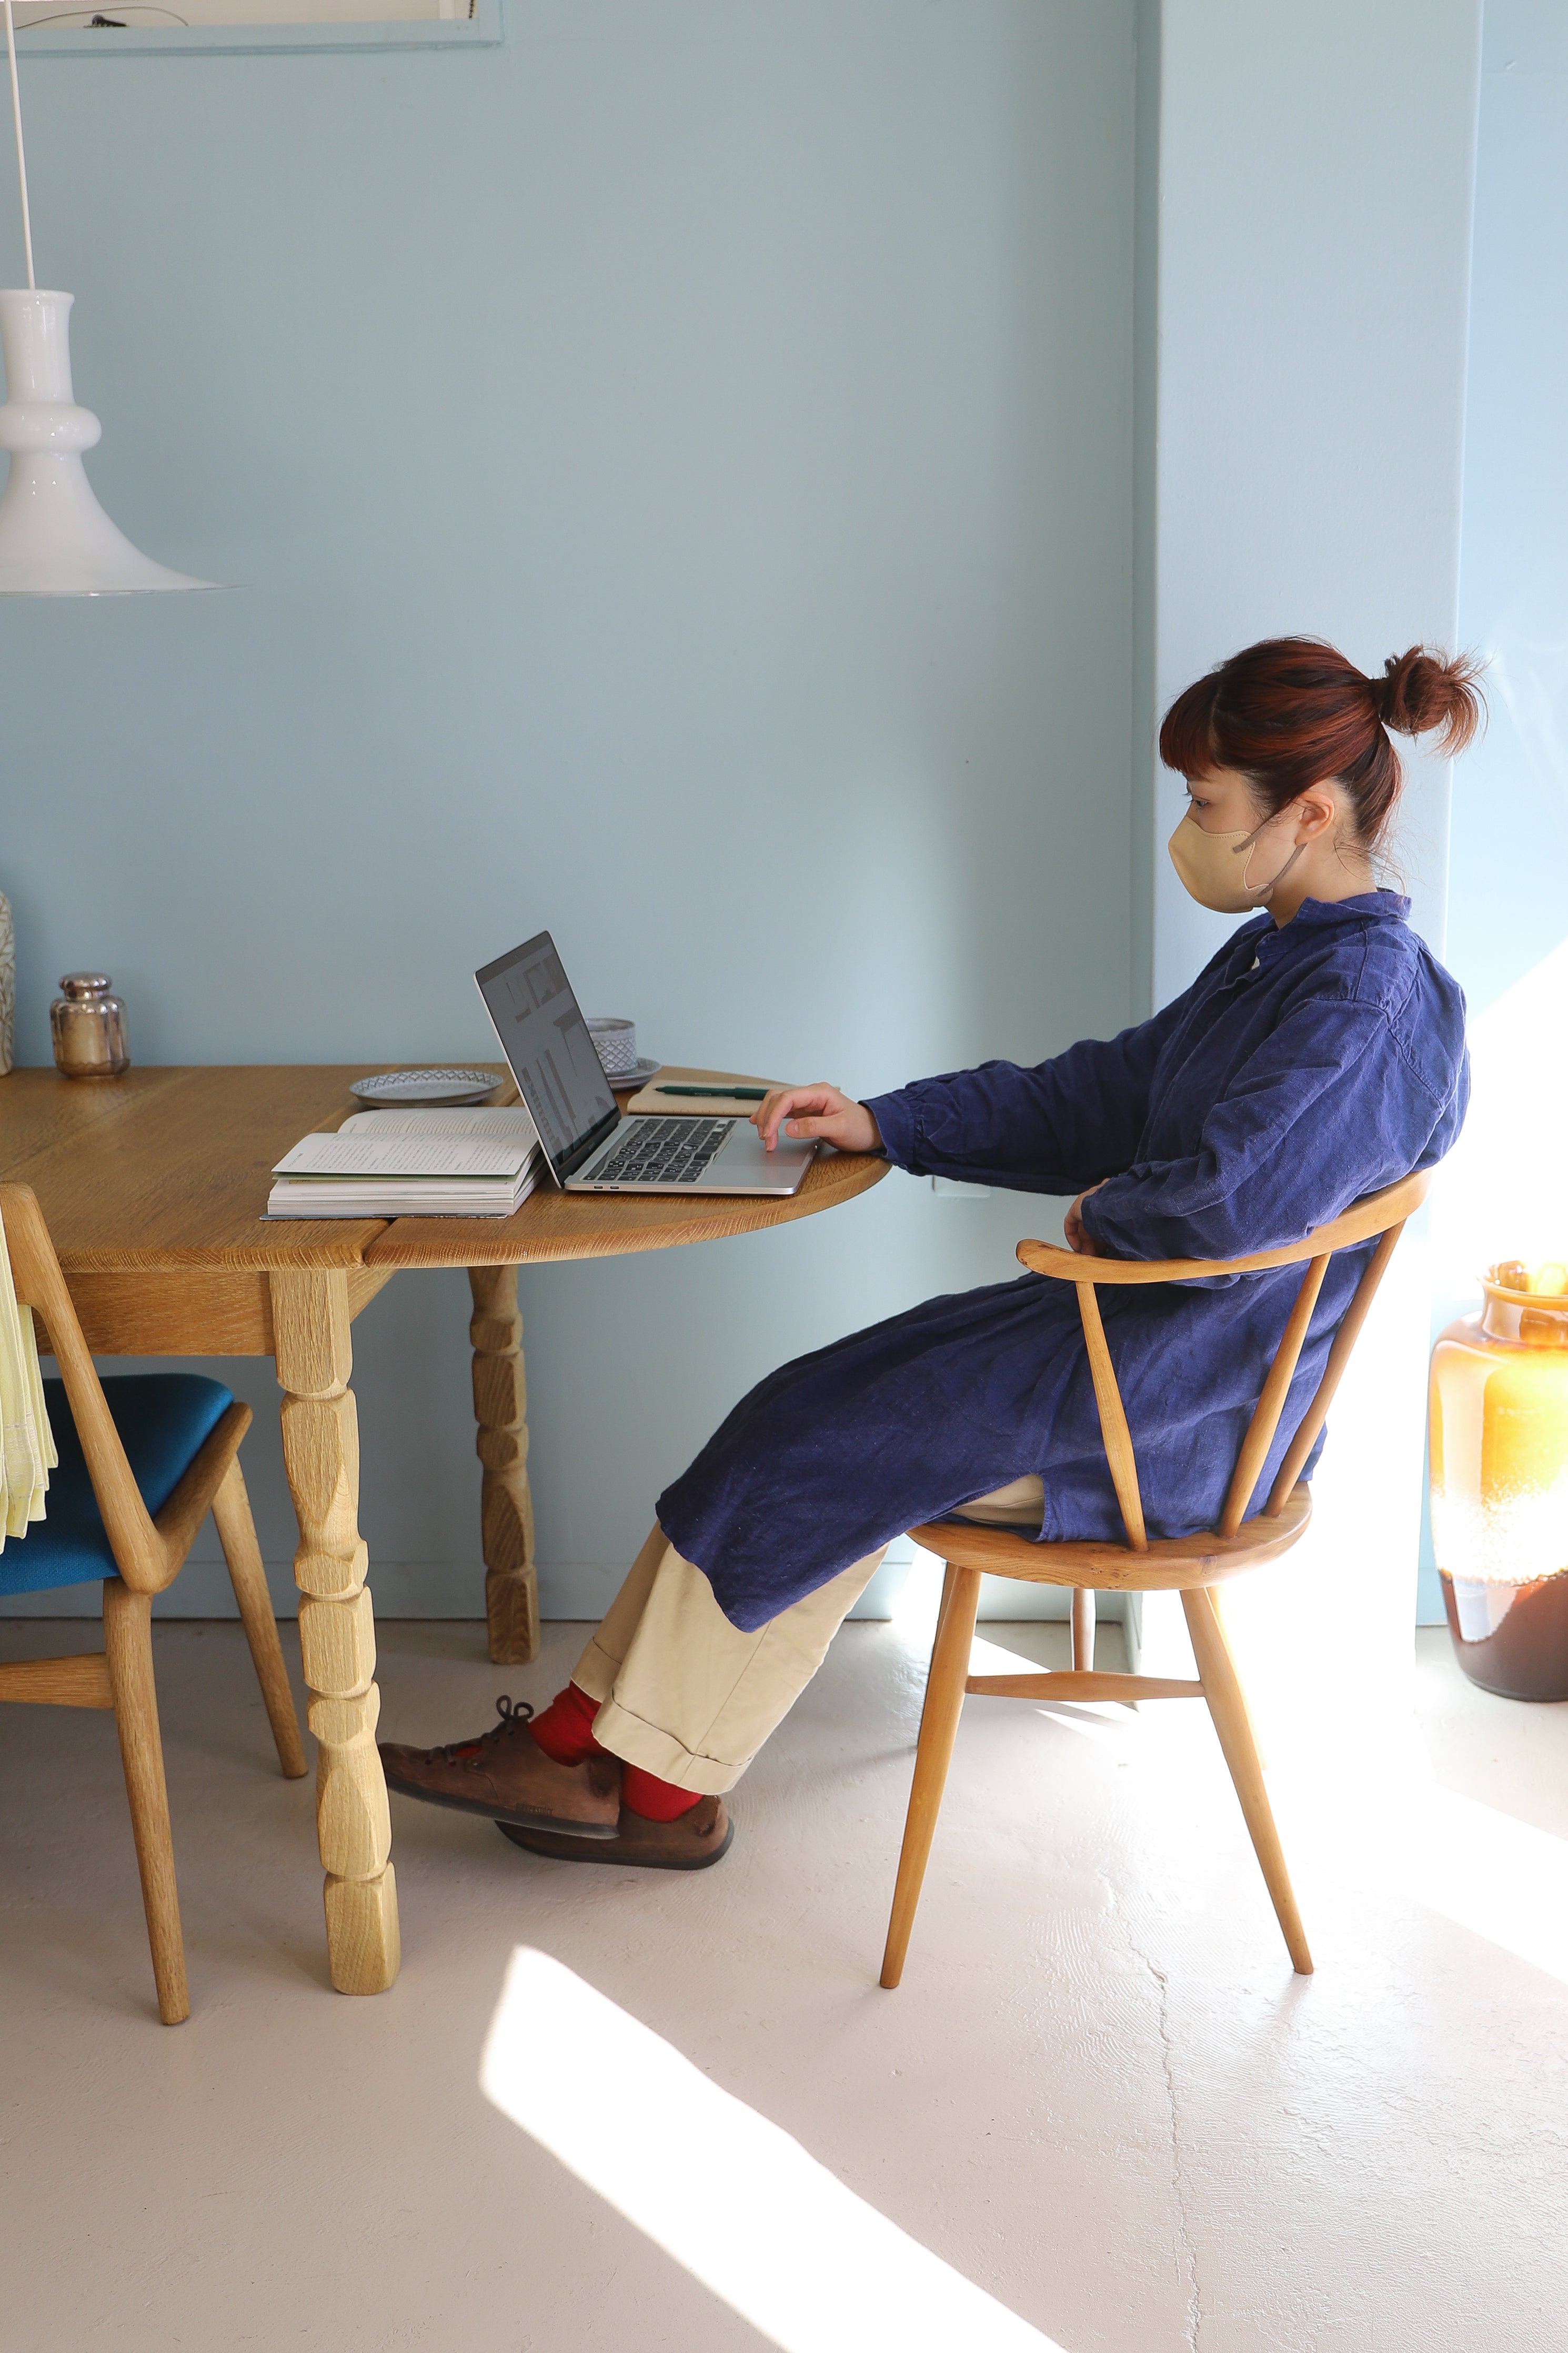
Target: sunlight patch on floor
736,2201
1382,1813
1499,1877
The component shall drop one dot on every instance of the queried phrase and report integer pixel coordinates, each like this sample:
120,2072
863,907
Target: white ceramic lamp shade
55,538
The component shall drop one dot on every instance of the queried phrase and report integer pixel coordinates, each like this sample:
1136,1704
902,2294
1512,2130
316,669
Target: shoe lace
512,1714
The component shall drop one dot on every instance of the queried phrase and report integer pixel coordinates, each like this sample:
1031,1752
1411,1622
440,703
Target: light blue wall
679,464
1316,187
1508,903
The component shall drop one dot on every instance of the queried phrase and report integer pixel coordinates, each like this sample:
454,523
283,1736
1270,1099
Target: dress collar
1315,916
1369,907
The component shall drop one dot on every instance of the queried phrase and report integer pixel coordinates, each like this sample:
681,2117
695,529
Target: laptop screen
545,1039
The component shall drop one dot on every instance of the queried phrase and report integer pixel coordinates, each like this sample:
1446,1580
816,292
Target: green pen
726,1094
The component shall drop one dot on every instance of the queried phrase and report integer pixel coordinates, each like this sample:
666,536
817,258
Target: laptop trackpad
744,1159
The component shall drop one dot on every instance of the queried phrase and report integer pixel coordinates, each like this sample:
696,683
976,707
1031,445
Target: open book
481,1162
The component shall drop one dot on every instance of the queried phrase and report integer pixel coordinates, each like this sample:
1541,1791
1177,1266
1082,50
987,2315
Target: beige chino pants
685,1695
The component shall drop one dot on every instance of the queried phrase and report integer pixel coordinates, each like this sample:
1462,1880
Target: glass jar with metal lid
88,1025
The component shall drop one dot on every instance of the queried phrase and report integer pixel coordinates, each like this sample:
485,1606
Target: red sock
565,1732
656,1801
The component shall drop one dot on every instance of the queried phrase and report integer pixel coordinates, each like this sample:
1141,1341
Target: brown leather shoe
699,1838
506,1775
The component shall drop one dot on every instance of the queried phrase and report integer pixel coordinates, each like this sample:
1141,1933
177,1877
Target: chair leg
236,1533
128,1645
1228,1705
1083,1630
1216,1595
938,1729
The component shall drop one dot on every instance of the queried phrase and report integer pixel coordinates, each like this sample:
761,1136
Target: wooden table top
162,1169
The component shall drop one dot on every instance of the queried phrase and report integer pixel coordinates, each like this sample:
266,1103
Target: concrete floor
1100,2096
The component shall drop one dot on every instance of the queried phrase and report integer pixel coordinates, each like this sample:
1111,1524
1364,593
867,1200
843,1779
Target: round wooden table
154,1187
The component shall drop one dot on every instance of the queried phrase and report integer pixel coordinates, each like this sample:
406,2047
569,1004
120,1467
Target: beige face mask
1215,868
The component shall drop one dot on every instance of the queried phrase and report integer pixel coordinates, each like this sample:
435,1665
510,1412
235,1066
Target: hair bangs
1186,733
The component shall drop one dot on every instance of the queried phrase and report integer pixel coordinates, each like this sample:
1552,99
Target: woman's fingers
783,1101
847,1125
817,1110
770,1111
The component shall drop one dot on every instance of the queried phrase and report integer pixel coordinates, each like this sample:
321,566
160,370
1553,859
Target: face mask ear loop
1266,891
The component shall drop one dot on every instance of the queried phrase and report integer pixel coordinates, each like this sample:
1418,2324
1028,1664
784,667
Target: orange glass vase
1500,1481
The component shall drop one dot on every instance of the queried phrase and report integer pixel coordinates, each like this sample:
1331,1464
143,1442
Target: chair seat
163,1419
1170,1565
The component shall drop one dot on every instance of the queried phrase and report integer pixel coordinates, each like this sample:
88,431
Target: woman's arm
1329,1109
1056,1128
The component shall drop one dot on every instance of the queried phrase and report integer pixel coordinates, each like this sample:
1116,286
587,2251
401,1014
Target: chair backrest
139,1551
1381,1216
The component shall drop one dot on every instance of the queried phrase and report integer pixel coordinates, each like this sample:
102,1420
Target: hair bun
1420,691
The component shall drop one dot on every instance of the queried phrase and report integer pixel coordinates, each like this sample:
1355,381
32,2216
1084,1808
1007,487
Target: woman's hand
1078,1237
818,1111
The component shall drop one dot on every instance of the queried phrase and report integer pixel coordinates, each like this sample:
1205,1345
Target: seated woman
1318,1056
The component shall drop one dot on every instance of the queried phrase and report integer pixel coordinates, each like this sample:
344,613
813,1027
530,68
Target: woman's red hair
1291,713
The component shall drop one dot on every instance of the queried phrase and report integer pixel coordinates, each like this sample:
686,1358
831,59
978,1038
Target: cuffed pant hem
637,1742
595,1672
684,1692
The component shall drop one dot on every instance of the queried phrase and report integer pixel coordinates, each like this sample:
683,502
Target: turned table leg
505,1507
337,1633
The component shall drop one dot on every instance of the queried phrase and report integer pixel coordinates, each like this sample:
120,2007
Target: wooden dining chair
142,1459
1193,1565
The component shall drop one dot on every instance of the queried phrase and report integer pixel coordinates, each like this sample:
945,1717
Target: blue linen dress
1306,1066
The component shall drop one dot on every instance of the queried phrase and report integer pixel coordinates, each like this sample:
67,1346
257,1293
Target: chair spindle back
1381,1214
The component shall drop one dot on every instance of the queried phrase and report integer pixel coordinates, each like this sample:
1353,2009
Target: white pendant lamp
55,538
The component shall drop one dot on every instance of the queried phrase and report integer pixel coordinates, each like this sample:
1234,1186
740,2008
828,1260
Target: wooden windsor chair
1193,1565
143,1458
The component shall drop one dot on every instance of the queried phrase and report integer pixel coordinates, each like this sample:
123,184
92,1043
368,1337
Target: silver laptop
590,1147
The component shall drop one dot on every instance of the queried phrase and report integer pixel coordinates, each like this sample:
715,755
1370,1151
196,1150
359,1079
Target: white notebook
478,1162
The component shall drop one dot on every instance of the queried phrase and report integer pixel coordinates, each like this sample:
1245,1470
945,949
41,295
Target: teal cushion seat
163,1419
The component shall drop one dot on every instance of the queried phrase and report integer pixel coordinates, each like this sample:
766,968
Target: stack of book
478,1163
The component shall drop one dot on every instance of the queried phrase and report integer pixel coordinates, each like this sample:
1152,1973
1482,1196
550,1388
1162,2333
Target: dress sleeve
1329,1109
1054,1128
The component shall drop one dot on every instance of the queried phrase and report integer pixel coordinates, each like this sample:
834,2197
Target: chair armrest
1360,1224
187,1507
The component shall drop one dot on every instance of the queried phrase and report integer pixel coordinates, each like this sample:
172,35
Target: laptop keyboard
668,1151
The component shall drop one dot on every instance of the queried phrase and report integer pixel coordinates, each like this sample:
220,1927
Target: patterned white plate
637,1076
399,1087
